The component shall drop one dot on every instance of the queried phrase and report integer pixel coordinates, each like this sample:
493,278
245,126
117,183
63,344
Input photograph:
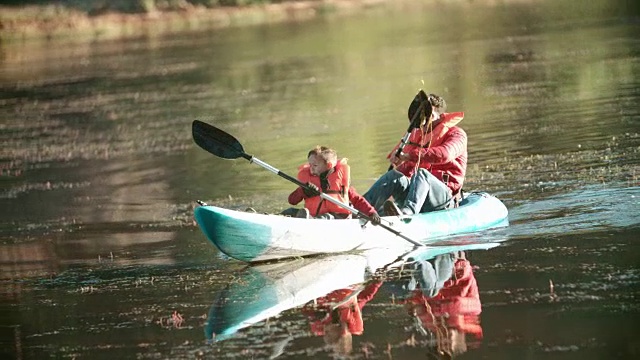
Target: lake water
99,254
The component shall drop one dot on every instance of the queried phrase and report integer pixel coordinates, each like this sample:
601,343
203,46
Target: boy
325,173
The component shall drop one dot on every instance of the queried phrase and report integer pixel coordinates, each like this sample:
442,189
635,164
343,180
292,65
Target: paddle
223,145
421,100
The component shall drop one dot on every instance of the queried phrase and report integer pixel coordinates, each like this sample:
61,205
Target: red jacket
458,302
349,313
442,151
357,200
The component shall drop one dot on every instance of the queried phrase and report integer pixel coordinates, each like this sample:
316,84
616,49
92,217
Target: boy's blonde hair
325,153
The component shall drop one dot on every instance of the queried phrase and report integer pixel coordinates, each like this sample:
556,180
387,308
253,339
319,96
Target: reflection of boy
453,312
338,315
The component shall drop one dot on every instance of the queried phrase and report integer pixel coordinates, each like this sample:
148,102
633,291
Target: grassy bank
29,20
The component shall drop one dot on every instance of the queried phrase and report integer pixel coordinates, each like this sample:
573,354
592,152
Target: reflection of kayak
266,290
256,237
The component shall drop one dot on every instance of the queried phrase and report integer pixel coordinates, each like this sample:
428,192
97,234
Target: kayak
254,237
266,290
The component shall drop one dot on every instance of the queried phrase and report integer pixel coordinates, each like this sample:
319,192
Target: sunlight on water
588,209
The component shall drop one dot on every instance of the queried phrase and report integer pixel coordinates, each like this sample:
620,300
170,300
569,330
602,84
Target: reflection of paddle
415,120
223,145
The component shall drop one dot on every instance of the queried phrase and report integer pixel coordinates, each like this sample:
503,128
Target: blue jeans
426,193
431,275
427,275
422,193
392,183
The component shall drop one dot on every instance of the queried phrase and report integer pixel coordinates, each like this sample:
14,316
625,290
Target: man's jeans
422,193
392,183
431,275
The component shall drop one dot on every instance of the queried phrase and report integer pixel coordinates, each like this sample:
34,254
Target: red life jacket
451,173
457,304
338,188
348,313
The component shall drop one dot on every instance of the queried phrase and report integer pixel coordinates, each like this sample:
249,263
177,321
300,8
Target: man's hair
327,154
435,102
438,103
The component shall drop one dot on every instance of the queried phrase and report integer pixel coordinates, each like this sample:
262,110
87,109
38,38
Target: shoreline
58,22
66,21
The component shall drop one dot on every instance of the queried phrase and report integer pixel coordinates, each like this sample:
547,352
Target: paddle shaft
403,142
253,159
224,145
405,138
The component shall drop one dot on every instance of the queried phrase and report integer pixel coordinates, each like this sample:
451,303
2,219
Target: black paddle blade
416,118
216,141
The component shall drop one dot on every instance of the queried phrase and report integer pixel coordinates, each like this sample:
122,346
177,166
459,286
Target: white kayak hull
254,237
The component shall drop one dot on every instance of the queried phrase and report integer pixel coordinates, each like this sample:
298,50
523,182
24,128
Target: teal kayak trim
254,237
240,239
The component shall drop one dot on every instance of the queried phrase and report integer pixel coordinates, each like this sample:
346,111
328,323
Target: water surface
100,174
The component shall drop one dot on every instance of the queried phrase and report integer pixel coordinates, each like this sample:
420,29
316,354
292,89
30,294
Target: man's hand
397,160
311,190
394,160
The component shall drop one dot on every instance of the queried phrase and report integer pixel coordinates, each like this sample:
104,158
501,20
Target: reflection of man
450,314
338,315
430,275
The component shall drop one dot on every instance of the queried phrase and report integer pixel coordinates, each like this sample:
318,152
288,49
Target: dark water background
100,175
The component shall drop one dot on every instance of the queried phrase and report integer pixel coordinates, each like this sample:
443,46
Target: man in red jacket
452,313
430,170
